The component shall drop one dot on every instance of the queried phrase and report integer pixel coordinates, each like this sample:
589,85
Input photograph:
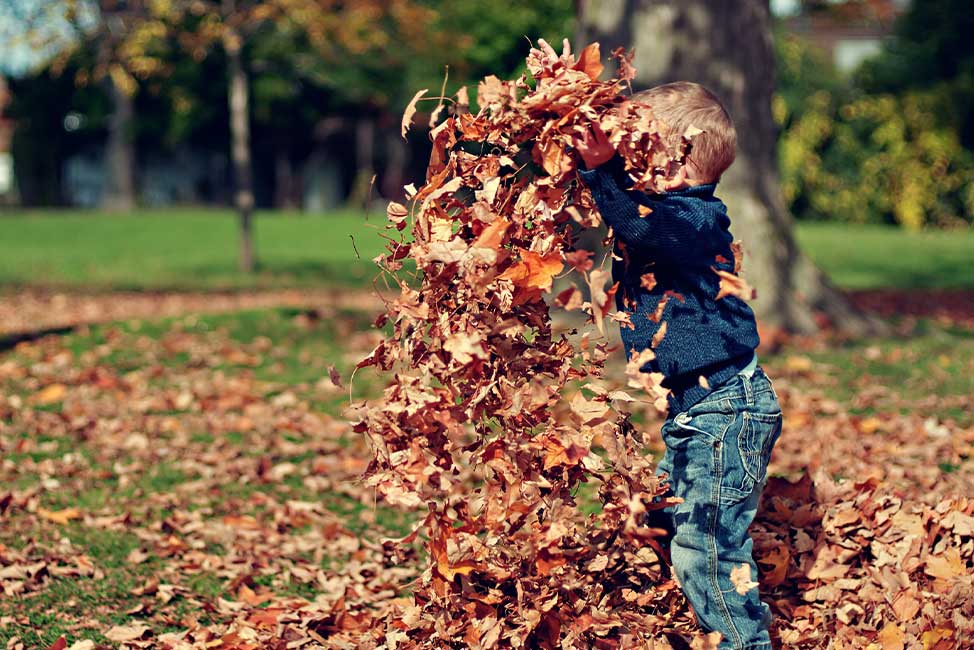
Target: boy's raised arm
667,233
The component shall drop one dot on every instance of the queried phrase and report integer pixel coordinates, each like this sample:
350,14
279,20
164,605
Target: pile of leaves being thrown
493,420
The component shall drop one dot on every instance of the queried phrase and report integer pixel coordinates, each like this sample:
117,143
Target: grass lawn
185,249
197,249
872,257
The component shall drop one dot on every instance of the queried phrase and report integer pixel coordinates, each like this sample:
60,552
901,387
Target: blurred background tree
138,104
700,41
890,142
304,83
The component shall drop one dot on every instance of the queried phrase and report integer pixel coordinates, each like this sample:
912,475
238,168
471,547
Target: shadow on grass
10,341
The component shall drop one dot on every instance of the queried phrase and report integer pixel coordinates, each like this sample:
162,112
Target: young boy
723,415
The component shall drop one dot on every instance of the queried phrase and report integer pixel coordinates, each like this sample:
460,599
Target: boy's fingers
547,49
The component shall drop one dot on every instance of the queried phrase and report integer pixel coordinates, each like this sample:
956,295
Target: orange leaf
892,637
50,394
61,517
658,336
249,596
492,236
938,639
245,522
559,454
738,250
265,617
733,285
580,260
569,299
590,61
444,566
777,558
547,561
535,271
948,565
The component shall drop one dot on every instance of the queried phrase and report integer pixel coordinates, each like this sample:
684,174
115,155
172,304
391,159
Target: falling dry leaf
589,61
658,336
535,271
493,426
335,377
733,285
407,115
740,577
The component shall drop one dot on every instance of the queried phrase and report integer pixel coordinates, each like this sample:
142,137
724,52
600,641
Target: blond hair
683,104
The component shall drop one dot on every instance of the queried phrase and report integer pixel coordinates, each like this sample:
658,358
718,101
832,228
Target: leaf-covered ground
191,482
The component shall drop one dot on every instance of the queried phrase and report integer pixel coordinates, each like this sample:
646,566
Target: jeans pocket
747,450
758,435
713,425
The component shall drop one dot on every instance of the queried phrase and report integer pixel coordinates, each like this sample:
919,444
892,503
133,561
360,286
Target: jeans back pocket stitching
746,454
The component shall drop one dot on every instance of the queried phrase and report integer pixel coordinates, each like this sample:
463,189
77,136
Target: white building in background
7,185
849,32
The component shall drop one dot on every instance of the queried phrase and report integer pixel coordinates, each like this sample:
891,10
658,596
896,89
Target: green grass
185,249
870,257
197,249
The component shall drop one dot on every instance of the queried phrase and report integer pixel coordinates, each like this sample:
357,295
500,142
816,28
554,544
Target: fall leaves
494,419
871,549
479,376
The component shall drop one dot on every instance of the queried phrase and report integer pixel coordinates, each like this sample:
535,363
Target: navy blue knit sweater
681,242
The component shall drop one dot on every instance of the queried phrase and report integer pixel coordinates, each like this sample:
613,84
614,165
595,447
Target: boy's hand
594,147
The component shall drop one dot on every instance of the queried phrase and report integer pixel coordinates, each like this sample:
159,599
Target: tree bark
397,157
119,195
727,46
284,180
239,100
361,194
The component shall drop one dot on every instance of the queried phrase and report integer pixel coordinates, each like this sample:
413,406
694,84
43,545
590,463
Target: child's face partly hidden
688,176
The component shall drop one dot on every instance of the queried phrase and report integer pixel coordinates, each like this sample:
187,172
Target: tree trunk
361,194
243,196
397,157
284,180
727,46
119,195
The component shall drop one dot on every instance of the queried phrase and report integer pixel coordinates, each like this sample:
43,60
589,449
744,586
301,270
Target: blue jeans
716,457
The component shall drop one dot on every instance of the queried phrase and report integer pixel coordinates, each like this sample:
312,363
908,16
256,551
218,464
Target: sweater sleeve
667,233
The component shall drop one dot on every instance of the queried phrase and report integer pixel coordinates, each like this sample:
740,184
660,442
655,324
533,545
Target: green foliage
932,50
492,37
862,157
